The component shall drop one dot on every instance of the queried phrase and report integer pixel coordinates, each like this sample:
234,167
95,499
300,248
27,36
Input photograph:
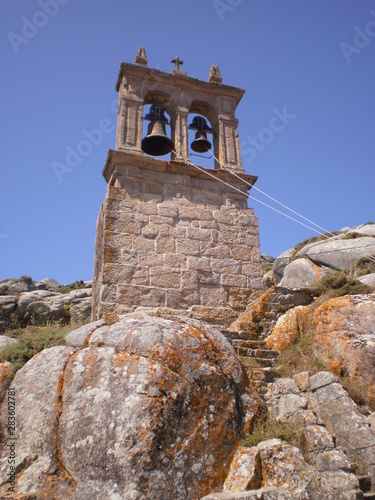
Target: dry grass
291,432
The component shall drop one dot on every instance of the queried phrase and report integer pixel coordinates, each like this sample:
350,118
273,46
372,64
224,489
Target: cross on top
177,61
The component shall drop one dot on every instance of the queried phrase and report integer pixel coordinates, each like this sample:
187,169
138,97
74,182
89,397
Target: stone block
129,257
151,260
234,280
317,438
189,280
112,255
165,245
174,260
143,244
212,296
199,264
216,315
150,231
322,379
198,234
118,240
302,380
206,278
223,217
168,210
188,247
240,252
178,232
226,266
206,224
154,188
209,249
108,293
128,227
161,219
165,278
147,208
181,299
194,213
140,295
213,198
177,192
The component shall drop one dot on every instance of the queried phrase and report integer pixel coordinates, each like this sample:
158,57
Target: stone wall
169,236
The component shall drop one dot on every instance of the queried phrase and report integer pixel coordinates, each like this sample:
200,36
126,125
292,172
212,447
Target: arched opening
156,133
202,133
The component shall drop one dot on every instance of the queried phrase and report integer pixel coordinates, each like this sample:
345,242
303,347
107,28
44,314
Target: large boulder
346,328
280,264
147,407
289,327
337,252
302,273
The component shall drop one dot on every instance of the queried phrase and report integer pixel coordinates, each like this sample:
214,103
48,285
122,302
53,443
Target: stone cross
177,61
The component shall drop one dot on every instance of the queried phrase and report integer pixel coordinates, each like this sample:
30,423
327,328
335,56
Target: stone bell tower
169,233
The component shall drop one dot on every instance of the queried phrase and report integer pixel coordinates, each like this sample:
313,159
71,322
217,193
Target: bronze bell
200,144
156,143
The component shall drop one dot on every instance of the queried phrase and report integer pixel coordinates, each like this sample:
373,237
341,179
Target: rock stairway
365,486
257,359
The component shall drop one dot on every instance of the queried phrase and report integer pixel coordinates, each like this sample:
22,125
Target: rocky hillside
153,404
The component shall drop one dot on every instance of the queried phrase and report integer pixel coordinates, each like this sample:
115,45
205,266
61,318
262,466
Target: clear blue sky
59,68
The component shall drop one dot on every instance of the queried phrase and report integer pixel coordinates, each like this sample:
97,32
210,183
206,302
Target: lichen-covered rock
346,328
5,375
283,466
289,327
145,408
245,470
280,264
302,273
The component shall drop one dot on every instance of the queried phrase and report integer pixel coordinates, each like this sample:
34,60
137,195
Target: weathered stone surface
245,471
280,264
186,218
7,308
29,297
367,279
302,380
337,252
301,273
38,388
289,327
346,327
263,311
283,465
47,284
147,407
5,341
322,379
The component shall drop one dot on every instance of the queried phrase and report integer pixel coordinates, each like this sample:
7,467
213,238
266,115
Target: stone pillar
130,125
179,123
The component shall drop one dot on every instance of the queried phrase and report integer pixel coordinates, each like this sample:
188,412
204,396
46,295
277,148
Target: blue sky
313,60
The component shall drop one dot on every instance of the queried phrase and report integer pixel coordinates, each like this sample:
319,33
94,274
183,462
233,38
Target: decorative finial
177,61
141,58
214,76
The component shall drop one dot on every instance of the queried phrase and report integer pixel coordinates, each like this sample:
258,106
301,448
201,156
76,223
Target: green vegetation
307,354
314,239
267,268
337,284
291,432
31,341
77,285
351,236
364,265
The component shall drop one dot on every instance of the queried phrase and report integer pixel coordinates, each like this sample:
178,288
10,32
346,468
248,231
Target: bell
157,143
200,143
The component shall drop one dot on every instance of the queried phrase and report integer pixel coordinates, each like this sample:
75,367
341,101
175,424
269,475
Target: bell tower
171,233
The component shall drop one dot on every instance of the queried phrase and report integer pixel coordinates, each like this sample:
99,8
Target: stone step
252,344
369,495
364,483
266,375
247,335
265,362
256,353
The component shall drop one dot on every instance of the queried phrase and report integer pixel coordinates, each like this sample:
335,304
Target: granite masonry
170,234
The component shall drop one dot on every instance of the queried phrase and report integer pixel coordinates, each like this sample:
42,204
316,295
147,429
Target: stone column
130,125
229,151
179,123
